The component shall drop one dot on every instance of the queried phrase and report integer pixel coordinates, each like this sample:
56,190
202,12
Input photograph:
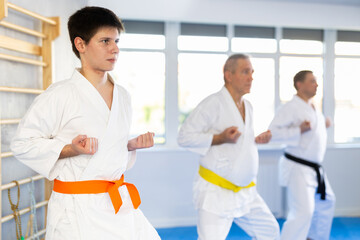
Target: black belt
320,178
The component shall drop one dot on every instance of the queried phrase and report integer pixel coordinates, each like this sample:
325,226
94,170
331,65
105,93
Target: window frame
342,36
156,26
173,29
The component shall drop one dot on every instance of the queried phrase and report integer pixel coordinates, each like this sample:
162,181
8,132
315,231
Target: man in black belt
302,128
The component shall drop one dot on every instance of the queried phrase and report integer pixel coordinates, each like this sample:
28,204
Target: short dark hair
86,22
230,63
300,77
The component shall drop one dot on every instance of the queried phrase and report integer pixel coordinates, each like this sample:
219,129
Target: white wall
164,177
14,105
244,12
342,166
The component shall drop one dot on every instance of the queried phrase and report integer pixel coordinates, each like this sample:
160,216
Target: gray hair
230,64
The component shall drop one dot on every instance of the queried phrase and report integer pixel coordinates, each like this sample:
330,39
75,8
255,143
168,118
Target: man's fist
230,135
143,141
84,145
305,126
263,137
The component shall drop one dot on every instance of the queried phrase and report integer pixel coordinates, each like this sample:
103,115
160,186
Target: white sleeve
131,159
284,128
35,143
195,134
128,108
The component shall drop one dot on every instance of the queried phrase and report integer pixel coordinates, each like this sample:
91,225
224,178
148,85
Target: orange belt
100,186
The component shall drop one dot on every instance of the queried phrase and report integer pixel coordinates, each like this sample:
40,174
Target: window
262,93
301,41
141,70
199,76
141,41
199,68
348,43
203,37
301,46
347,85
347,48
347,100
194,54
260,42
254,40
289,66
253,45
202,43
295,48
143,75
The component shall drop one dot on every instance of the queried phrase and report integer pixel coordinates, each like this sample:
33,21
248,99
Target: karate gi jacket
310,145
238,163
65,110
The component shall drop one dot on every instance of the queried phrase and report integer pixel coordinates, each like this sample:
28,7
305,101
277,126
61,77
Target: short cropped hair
300,77
230,64
86,22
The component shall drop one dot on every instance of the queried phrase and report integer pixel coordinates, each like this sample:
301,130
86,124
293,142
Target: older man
310,197
221,130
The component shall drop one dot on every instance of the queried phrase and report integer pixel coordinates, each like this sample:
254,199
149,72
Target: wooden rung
21,90
31,14
6,154
22,60
9,121
21,182
3,11
22,29
39,233
23,211
19,45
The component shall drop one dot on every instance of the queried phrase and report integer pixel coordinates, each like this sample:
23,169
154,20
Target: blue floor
342,229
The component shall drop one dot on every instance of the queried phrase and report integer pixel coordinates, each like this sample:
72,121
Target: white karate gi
65,110
308,216
238,163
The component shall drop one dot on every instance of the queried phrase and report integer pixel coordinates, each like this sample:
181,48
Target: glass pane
289,66
301,46
143,41
201,43
255,45
347,100
143,75
262,95
347,48
199,76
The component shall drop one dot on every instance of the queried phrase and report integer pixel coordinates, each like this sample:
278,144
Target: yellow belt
213,178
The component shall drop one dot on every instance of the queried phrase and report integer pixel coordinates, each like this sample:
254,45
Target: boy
76,133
